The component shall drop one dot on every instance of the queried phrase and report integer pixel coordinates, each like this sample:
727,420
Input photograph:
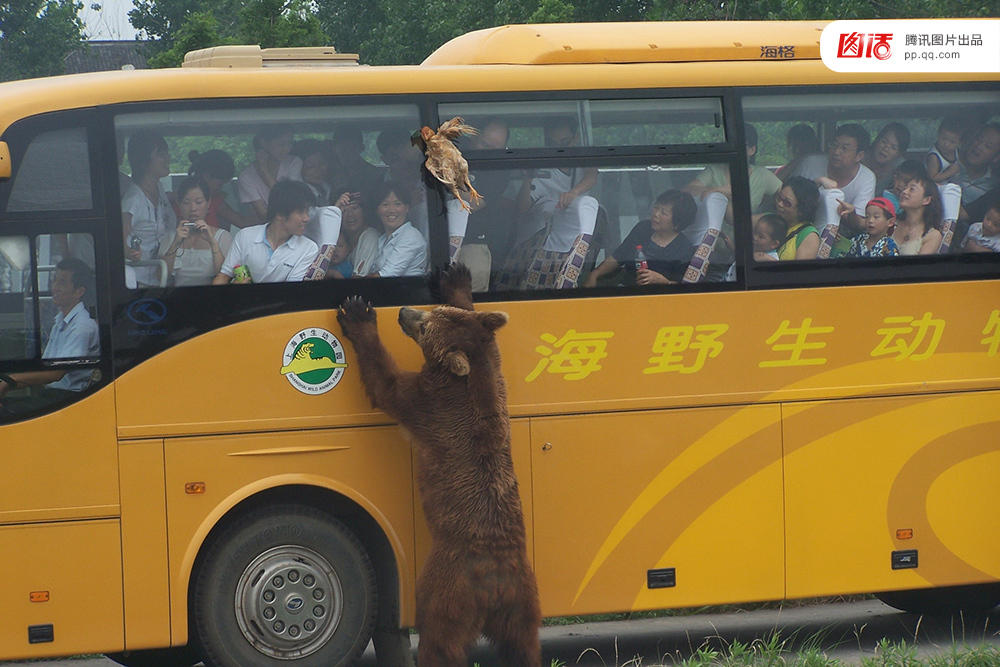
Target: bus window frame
20,135
575,95
788,274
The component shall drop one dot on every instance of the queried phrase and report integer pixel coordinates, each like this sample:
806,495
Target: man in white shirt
841,168
74,335
276,251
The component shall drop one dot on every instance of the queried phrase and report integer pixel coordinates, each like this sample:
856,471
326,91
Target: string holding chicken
445,161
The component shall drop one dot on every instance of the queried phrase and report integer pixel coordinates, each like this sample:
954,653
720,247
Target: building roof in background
104,56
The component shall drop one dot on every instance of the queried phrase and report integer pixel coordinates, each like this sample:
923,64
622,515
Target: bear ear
457,362
493,320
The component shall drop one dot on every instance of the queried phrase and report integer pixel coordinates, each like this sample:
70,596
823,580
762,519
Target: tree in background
406,32
36,35
180,26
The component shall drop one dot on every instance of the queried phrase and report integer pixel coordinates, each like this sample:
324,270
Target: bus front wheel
288,585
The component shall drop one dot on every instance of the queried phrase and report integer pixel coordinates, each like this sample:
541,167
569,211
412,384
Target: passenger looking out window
273,162
215,168
197,250
404,161
801,142
979,176
941,161
666,249
402,250
315,169
985,236
769,232
362,237
876,241
886,153
918,227
276,251
556,198
147,215
841,168
796,202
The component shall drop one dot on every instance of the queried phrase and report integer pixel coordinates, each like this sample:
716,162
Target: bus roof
641,42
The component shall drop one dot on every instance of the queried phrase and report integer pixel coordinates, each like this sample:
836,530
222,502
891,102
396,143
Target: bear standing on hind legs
477,579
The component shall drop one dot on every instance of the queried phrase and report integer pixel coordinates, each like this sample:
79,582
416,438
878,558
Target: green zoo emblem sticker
313,361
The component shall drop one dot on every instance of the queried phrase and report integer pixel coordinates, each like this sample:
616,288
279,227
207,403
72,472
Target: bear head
453,338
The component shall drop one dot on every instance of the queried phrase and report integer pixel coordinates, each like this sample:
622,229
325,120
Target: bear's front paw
353,313
456,286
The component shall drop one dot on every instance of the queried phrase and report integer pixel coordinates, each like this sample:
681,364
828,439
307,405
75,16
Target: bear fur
477,578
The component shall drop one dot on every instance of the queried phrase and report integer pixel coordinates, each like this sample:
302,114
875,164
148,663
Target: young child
941,160
340,265
769,232
985,236
903,174
877,241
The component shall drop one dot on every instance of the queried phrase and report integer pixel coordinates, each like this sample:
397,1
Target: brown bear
477,578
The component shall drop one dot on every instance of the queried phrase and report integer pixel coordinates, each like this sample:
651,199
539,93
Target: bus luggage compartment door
622,499
892,493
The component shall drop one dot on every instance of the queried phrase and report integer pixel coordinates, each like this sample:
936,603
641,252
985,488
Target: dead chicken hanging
445,161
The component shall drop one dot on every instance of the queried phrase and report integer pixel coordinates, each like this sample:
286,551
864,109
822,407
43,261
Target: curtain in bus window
54,174
563,124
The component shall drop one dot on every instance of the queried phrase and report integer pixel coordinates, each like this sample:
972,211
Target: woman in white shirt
402,249
147,214
197,251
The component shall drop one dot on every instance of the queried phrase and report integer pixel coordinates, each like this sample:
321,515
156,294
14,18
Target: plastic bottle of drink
640,259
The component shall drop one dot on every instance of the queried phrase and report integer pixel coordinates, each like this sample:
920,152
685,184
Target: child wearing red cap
876,241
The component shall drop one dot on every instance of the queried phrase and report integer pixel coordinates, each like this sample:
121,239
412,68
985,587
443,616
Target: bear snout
409,321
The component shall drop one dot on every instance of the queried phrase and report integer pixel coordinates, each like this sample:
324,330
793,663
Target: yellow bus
197,465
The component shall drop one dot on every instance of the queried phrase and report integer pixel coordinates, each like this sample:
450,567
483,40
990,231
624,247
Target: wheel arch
382,542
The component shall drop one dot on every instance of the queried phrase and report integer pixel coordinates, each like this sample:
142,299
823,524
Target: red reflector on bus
904,534
38,596
194,488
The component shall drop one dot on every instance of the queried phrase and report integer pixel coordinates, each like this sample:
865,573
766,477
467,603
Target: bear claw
355,310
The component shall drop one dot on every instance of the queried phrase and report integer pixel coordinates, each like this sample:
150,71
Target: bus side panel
371,466
870,478
144,545
62,466
67,576
695,491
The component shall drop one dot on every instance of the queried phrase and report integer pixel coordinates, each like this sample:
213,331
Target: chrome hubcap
289,602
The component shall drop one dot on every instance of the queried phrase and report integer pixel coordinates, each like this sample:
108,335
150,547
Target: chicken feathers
445,161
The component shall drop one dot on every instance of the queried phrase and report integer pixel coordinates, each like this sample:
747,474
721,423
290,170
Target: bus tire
288,585
976,598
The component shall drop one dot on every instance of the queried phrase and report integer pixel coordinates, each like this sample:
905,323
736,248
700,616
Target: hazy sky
109,23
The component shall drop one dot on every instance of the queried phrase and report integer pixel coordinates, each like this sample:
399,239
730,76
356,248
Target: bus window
66,348
597,122
54,174
563,226
853,148
17,324
233,159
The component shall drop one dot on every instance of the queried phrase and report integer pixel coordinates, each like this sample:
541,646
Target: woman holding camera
197,251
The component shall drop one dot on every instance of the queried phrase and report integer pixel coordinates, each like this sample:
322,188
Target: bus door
59,504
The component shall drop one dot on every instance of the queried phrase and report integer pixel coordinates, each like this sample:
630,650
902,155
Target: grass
772,651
